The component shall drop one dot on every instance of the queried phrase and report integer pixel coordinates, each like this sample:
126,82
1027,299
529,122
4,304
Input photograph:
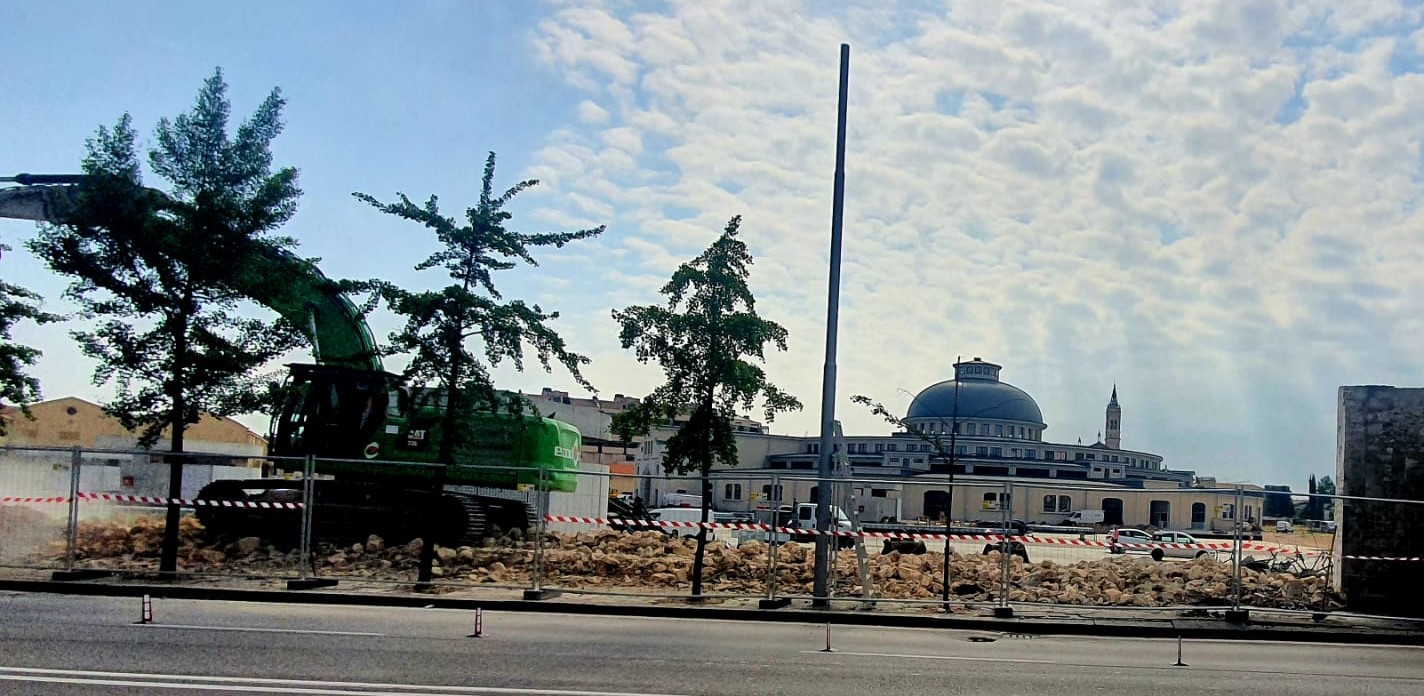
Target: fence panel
34,509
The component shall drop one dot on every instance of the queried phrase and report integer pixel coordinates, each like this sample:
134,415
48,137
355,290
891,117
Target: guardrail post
772,601
541,502
1006,546
1237,614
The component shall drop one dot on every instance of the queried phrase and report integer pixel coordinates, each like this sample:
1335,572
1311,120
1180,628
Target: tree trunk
697,558
177,423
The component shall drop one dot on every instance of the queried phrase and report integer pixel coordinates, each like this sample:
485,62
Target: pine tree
155,272
16,385
703,338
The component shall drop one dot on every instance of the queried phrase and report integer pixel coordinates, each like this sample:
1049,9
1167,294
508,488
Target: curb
1197,629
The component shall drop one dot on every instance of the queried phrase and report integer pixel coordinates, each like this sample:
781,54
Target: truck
1084,518
373,438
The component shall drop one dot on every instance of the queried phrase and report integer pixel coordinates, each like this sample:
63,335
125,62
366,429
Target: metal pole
949,488
1236,552
308,501
771,537
1007,545
72,532
828,383
542,503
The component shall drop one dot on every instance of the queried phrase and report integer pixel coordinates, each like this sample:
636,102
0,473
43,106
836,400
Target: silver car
1129,537
1178,538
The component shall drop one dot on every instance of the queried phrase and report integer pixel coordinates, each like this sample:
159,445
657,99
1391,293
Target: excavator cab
332,412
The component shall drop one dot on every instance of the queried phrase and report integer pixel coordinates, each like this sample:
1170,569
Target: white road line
243,629
932,657
267,685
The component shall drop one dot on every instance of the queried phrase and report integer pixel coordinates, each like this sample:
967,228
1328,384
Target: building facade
964,439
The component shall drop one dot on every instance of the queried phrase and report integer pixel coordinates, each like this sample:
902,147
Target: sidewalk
1029,619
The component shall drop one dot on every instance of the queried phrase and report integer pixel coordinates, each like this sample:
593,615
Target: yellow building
74,422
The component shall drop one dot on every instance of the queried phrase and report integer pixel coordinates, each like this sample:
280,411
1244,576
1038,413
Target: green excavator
373,438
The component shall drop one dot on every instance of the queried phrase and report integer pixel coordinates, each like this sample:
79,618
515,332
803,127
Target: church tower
1114,425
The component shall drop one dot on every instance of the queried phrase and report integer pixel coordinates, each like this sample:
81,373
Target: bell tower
1114,422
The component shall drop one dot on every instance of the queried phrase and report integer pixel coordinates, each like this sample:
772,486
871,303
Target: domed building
977,424
974,434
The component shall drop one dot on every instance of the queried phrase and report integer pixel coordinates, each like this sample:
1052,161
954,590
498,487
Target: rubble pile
650,560
24,530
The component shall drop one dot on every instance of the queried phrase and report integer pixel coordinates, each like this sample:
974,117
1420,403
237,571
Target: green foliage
456,334
157,274
18,304
942,446
702,338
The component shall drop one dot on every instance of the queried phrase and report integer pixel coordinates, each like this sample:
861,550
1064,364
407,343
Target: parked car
1130,535
677,514
1284,527
1177,538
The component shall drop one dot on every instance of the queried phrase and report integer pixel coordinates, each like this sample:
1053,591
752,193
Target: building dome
981,396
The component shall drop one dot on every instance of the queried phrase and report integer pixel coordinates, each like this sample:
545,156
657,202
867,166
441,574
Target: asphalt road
80,645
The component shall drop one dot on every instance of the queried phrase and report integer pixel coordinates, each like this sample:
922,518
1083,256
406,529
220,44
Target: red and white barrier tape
1031,540
152,500
31,500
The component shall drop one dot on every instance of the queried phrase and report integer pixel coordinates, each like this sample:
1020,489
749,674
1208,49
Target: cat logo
564,453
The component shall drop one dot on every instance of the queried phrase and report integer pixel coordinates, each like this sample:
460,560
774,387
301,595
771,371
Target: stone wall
1380,454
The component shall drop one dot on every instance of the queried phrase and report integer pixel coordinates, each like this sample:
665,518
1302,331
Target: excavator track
350,512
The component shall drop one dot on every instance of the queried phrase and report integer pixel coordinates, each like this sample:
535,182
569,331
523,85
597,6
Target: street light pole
820,597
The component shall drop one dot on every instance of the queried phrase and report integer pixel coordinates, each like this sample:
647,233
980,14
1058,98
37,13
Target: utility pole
820,597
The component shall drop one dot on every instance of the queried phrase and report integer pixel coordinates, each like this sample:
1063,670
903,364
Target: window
1092,456
1015,453
879,447
771,493
961,449
813,448
1050,503
991,501
1030,454
1065,503
1048,454
1022,434
879,492
1078,456
996,451
732,491
999,430
971,428
919,460
981,451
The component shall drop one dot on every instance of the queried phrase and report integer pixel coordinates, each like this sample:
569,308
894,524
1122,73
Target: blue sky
1213,204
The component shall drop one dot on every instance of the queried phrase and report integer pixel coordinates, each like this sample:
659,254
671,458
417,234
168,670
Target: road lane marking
243,629
269,685
932,657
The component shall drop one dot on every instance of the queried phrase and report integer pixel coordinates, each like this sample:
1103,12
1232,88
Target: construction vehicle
374,440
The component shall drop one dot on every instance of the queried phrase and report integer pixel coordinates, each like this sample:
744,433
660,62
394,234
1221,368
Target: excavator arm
275,278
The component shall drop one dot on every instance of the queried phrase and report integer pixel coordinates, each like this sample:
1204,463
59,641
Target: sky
1210,203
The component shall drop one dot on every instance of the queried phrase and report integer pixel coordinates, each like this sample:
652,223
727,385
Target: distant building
993,433
33,459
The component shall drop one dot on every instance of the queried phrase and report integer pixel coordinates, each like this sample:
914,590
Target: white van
681,515
1284,527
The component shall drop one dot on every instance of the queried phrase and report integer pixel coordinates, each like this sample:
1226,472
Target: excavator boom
278,279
